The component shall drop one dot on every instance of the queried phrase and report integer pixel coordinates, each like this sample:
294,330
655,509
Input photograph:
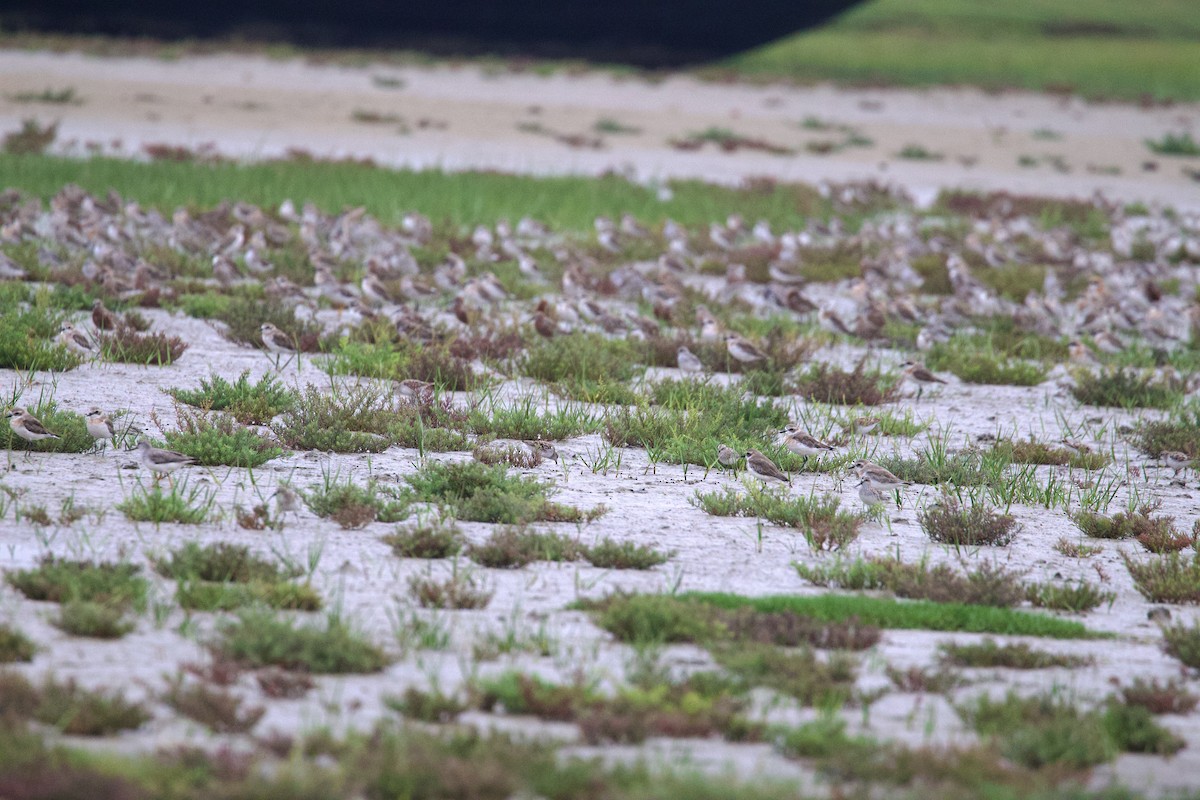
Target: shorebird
919,373
415,391
727,456
764,468
27,426
742,350
803,443
160,461
863,424
76,340
276,341
877,476
99,426
1176,461
687,360
542,448
287,500
870,494
102,318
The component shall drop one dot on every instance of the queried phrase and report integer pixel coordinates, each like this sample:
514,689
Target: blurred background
1104,49
648,34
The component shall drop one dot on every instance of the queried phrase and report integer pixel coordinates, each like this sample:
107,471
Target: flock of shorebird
100,241
99,427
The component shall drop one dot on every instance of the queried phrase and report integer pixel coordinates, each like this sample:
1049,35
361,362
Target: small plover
276,341
687,360
742,350
27,426
160,461
764,468
1176,460
102,318
919,373
1076,447
727,456
76,340
863,424
870,494
99,426
415,391
877,476
287,500
542,448
803,443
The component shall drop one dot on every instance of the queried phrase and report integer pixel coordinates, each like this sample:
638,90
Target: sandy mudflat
460,118
257,108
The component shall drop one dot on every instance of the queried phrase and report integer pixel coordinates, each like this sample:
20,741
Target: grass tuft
1169,578
948,522
824,383
248,403
1011,656
117,585
15,645
259,638
178,504
437,539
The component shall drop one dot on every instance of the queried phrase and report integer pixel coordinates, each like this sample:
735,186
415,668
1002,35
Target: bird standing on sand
727,456
919,373
99,426
764,468
102,318
803,443
76,340
27,426
871,495
877,476
415,391
1176,461
687,360
276,341
742,350
160,461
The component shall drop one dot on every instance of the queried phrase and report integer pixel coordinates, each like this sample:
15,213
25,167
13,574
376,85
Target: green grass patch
69,708
94,620
223,576
400,359
524,420
825,383
1180,432
684,421
1125,388
461,198
179,503
70,427
1168,578
437,539
216,440
259,638
1101,50
29,323
824,524
1174,144
15,645
478,493
908,614
354,506
990,654
114,584
584,366
248,403
975,360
